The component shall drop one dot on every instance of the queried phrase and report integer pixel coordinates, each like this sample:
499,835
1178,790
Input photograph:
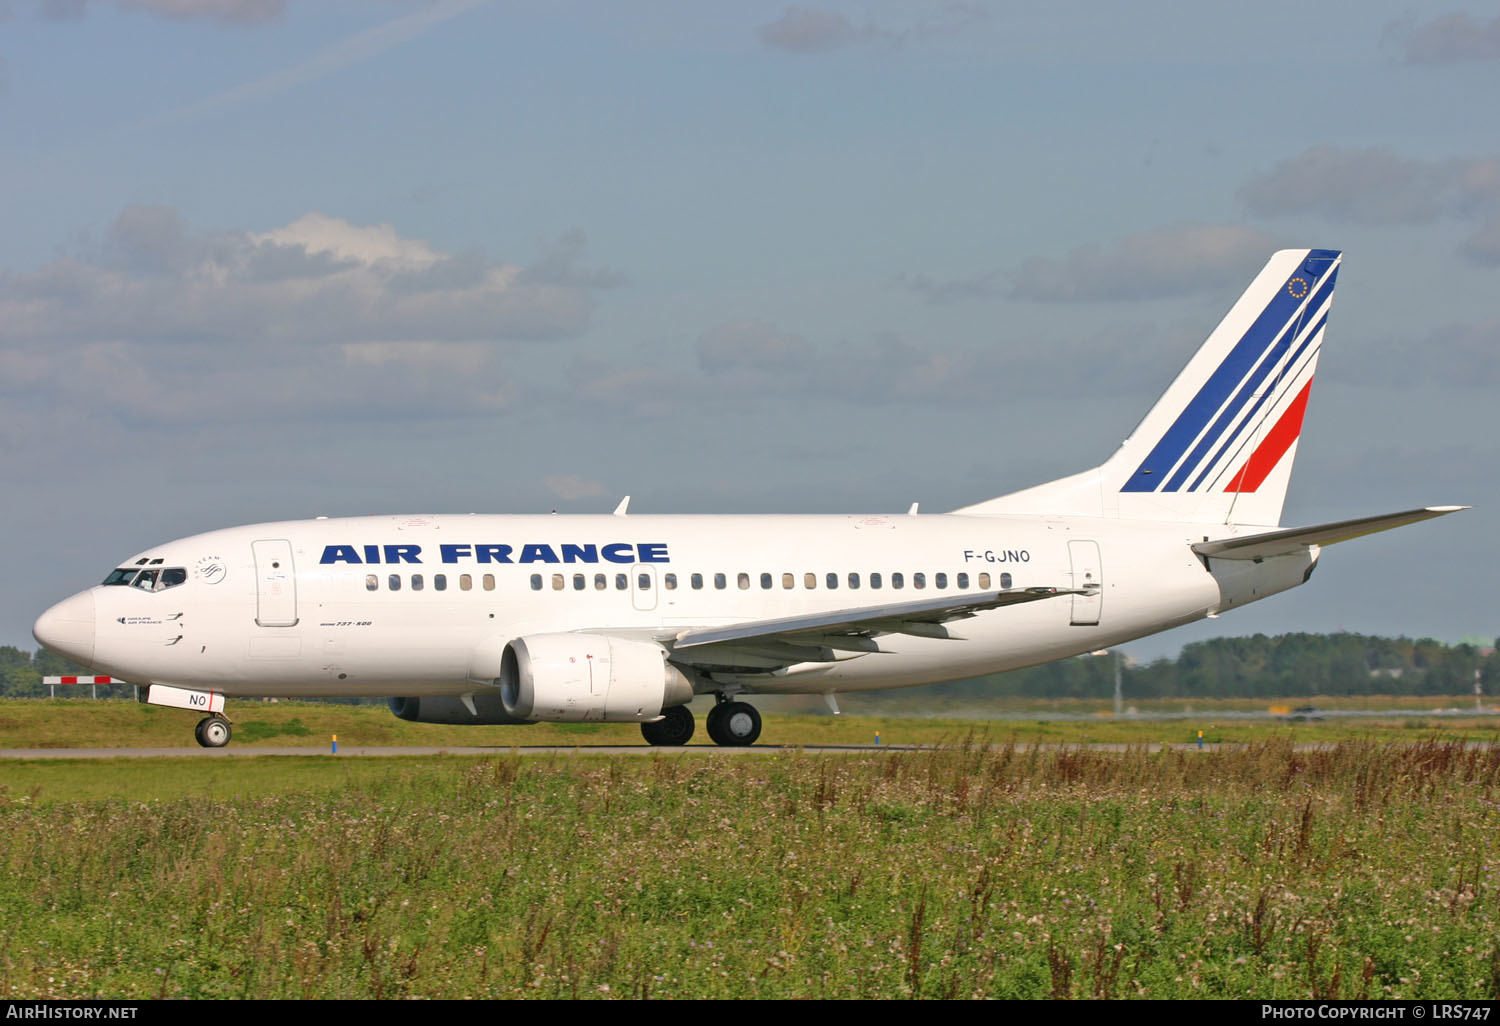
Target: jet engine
483,707
570,677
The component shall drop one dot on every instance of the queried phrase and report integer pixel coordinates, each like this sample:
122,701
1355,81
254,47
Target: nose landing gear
213,731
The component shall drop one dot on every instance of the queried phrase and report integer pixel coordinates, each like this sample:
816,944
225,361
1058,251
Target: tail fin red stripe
1269,452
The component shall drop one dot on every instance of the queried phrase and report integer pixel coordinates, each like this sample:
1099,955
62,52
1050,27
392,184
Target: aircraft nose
68,628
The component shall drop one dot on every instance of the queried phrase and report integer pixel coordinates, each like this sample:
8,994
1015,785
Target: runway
365,751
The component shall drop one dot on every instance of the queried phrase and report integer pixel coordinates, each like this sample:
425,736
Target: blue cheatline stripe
1270,394
1268,361
1245,354
1319,302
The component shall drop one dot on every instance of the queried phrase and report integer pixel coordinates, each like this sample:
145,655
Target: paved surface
358,751
355,751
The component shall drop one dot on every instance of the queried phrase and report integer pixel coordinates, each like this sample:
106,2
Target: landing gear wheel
734,724
212,732
674,728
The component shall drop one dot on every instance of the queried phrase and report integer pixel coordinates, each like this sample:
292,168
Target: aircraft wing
1281,543
840,634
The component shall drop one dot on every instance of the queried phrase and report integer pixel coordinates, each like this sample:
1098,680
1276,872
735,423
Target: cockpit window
148,580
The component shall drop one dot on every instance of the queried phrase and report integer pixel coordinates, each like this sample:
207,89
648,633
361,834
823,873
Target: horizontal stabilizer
1281,543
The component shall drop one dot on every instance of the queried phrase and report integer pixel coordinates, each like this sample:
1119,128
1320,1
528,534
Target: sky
274,259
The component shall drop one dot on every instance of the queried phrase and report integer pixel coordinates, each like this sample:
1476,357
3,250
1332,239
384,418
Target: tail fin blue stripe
1254,410
1244,356
1272,359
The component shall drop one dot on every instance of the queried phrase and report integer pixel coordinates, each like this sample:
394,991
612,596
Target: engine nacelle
451,709
571,677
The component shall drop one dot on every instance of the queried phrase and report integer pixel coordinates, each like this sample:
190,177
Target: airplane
626,618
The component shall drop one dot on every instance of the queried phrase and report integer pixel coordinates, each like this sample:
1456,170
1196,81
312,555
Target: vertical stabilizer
1218,445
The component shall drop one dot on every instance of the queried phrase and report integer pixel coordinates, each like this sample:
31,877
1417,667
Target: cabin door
1087,573
275,584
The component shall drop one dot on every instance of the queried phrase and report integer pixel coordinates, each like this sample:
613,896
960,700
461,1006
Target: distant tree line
1284,666
21,673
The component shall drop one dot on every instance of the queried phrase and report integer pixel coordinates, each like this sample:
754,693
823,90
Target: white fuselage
394,606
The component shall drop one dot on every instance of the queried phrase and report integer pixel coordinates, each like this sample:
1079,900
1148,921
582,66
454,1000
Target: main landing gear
212,731
674,728
732,724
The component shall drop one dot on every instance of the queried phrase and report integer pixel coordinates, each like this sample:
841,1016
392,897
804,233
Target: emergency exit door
275,584
1087,573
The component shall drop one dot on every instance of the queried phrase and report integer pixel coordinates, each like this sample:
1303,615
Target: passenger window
919,580
669,581
963,580
372,583
601,583
489,582
720,581
788,581
984,580
875,580
416,582
643,581
898,580
439,582
1005,580
579,582
854,581
941,580
622,582
536,582
697,582
557,582
833,581
744,582
465,582
809,581
394,582
765,581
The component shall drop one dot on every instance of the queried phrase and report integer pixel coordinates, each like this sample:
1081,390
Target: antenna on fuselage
621,508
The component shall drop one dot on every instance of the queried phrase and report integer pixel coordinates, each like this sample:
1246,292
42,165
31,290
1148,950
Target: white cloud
319,279
230,12
803,30
318,318
1483,244
1177,260
1447,39
807,30
369,244
1373,186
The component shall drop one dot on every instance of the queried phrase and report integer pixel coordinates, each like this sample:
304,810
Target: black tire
674,728
213,732
734,724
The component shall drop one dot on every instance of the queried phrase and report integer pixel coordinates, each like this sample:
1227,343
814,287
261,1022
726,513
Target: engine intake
573,677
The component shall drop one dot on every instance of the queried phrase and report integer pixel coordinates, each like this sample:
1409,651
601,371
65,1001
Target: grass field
82,723
1366,869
